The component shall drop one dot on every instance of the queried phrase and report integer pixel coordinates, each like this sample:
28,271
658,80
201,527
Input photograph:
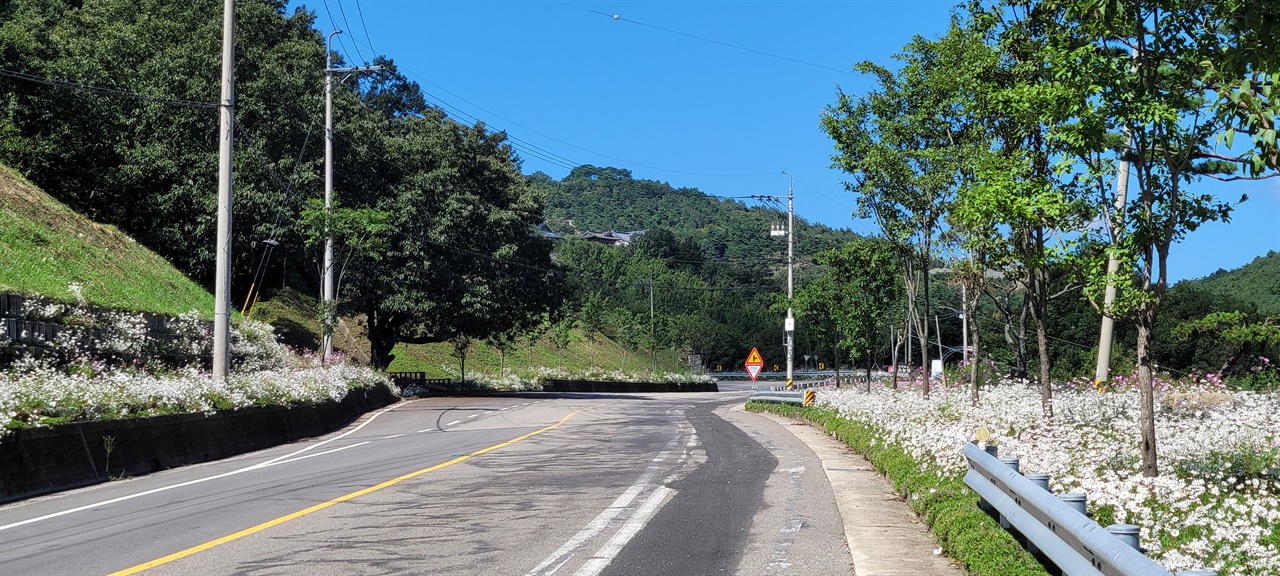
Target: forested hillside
1257,283
600,199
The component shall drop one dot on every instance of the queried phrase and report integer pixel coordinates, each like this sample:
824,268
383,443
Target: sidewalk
884,535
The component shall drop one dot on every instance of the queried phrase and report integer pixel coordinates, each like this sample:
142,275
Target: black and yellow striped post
789,386
808,397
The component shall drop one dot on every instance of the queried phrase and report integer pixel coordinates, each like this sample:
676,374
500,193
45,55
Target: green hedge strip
948,507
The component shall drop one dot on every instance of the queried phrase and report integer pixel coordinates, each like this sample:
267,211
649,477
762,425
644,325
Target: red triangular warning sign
753,370
754,358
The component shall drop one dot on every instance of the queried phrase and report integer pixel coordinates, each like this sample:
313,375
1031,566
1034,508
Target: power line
347,24
425,80
106,91
726,44
334,23
363,25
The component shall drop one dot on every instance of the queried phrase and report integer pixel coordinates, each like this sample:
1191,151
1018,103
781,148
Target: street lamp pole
327,285
790,325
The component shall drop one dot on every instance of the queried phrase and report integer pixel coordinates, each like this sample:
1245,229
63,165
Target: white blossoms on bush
1213,507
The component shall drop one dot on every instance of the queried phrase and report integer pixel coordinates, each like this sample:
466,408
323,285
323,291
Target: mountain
1257,282
600,199
46,248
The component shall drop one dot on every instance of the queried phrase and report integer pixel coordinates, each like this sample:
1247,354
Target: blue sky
717,95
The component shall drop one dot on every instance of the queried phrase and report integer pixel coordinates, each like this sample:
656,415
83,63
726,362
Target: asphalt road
578,484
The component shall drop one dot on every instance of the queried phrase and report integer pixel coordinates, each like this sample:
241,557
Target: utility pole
1102,372
653,335
790,325
226,117
1105,339
327,288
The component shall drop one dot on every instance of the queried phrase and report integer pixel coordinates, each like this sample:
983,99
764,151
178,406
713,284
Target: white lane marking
338,437
507,408
321,453
600,522
428,430
610,550
452,423
473,416
197,480
392,436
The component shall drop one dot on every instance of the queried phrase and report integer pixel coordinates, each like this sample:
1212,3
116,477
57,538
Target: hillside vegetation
46,247
1257,282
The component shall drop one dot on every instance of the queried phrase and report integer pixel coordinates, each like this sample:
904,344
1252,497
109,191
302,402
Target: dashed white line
392,436
610,550
427,430
473,416
454,422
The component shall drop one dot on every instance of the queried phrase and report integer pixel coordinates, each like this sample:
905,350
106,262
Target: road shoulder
885,537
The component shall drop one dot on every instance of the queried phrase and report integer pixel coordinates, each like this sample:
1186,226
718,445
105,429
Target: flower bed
1213,507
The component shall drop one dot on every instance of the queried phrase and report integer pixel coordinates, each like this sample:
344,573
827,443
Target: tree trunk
971,324
922,325
835,362
382,339
1147,416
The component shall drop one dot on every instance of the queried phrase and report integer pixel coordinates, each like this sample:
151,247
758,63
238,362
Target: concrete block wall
41,460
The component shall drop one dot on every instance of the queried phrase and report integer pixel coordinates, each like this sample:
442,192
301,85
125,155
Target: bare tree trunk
971,324
1146,417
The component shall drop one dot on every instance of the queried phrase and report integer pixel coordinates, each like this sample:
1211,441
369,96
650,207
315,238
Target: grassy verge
45,247
947,506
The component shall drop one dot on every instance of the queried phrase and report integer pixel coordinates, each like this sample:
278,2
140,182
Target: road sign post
754,364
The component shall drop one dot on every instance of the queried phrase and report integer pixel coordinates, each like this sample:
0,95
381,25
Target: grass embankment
45,247
948,506
293,315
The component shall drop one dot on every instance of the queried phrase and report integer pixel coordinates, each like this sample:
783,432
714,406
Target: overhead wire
347,24
620,18
342,45
106,91
365,26
509,121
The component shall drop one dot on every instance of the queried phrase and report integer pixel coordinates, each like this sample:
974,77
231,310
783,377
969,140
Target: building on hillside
548,233
611,238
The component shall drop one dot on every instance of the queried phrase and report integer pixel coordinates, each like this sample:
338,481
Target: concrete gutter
885,536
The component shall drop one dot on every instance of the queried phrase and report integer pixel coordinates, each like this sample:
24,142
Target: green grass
948,506
581,355
293,315
45,247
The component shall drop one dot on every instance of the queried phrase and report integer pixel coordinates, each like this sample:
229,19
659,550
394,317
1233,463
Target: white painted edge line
473,416
427,430
610,550
197,480
321,453
392,436
454,422
597,525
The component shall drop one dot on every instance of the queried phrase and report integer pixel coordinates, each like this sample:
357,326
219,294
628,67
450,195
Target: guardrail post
1011,462
1076,500
1041,480
1127,533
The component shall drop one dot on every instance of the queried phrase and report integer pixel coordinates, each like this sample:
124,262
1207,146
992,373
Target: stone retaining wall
40,460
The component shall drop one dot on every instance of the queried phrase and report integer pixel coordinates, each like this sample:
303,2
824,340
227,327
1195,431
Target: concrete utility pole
327,286
226,117
1103,371
790,325
1105,339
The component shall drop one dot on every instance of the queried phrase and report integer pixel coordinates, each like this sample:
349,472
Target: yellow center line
323,505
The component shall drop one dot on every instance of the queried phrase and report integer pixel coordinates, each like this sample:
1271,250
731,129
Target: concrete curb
885,536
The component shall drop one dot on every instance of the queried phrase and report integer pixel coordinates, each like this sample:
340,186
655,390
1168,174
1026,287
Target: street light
326,283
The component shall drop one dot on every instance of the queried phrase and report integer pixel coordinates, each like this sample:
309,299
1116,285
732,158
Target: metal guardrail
801,397
1056,527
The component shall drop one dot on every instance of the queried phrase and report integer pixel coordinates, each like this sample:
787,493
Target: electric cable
106,91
